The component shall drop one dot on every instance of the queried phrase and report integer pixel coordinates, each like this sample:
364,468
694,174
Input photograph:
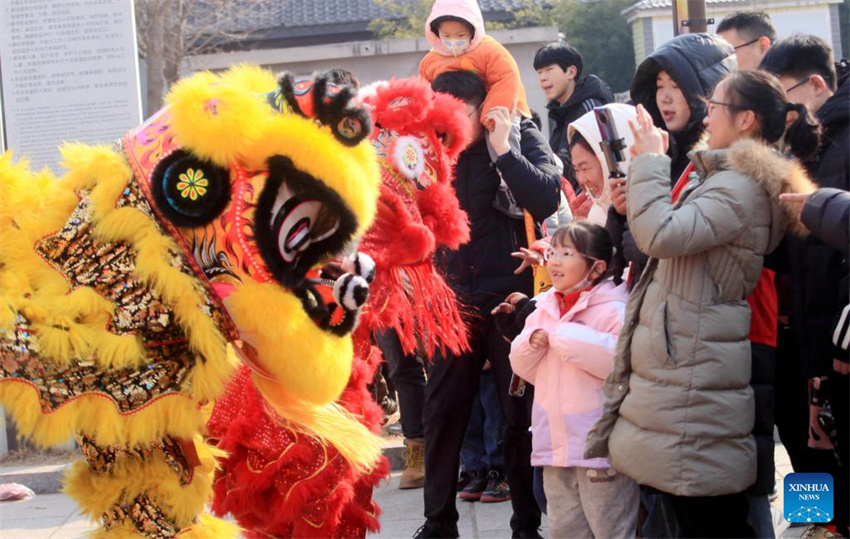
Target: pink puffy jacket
568,376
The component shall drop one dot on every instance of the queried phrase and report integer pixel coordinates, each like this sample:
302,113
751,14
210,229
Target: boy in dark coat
559,71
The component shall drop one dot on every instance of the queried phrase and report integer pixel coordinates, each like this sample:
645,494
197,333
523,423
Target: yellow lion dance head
123,282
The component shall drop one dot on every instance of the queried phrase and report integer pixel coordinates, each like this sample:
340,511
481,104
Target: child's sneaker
497,488
477,485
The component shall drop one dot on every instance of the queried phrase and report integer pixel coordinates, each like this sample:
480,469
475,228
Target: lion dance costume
418,136
129,287
277,480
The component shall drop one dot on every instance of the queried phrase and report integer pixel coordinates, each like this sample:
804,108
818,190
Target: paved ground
403,515
48,516
54,516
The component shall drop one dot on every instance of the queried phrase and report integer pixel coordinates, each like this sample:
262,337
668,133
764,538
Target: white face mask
456,46
584,283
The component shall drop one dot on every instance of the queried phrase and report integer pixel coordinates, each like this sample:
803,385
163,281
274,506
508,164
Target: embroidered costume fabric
125,283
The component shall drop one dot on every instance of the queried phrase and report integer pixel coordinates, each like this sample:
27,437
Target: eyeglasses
551,255
800,83
712,104
747,44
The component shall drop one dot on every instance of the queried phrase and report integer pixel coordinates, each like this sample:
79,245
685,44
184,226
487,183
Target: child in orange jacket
455,28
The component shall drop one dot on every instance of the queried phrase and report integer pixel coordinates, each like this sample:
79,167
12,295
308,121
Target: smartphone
517,387
613,145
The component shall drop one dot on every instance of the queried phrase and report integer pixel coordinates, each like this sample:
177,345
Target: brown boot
414,466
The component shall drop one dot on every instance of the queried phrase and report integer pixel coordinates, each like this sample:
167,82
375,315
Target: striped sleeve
590,104
841,335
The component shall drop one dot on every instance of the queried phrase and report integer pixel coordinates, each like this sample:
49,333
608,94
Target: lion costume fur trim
233,124
218,120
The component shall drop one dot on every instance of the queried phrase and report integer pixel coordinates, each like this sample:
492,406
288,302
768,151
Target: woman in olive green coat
679,410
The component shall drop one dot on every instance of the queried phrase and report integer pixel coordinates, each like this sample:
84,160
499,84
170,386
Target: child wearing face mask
566,350
455,29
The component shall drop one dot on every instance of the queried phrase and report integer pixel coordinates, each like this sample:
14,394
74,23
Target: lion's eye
298,222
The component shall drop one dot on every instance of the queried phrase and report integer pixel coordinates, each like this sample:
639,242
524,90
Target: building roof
644,5
281,23
310,13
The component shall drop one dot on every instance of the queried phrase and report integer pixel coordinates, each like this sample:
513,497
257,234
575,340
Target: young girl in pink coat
566,350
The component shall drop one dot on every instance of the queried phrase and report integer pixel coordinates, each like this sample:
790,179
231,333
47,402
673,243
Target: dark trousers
408,376
482,445
660,519
539,493
695,516
792,409
712,516
763,383
792,401
792,422
451,389
838,393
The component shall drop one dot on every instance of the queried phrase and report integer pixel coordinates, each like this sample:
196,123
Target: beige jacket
679,412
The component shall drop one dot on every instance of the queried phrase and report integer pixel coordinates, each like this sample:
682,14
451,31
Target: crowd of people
648,293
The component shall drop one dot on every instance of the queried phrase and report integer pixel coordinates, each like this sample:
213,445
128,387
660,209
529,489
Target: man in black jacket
482,274
818,272
570,96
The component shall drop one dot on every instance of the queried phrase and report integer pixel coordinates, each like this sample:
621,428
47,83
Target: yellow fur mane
222,118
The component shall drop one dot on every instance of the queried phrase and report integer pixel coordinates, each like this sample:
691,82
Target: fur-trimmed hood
776,173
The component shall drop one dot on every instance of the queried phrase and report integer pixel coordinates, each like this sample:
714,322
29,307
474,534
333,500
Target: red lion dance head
418,135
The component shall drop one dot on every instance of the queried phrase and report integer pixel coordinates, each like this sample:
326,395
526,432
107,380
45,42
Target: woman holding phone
679,410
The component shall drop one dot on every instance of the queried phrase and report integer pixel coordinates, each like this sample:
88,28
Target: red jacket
763,301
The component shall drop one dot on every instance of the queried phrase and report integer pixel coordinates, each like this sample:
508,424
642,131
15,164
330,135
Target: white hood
586,125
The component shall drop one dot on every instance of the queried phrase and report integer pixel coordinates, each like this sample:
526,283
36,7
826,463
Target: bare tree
170,30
